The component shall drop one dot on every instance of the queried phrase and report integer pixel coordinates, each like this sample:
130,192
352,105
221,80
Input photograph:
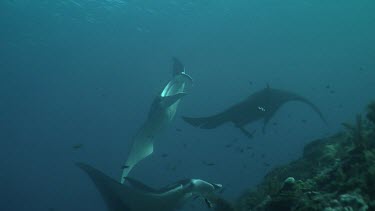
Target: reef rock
334,174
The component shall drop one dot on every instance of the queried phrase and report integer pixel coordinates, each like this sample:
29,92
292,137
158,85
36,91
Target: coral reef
371,112
222,205
335,173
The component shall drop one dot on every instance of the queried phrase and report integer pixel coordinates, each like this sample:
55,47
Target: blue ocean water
86,72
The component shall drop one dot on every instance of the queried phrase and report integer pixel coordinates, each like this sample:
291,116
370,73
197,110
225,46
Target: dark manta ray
260,105
133,195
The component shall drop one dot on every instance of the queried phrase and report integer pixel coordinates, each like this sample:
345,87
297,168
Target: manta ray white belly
143,141
179,84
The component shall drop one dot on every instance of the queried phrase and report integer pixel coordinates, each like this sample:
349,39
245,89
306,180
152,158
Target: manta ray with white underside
161,113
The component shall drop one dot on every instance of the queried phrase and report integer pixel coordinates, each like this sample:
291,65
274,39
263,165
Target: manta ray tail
205,122
110,189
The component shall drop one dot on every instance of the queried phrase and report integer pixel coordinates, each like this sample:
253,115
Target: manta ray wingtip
178,67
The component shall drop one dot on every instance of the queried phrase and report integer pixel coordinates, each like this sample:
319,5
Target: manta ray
260,105
162,112
133,195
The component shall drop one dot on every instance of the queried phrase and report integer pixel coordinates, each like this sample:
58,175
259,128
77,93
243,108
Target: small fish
164,155
304,121
173,168
125,167
77,146
328,87
228,145
178,130
209,163
240,149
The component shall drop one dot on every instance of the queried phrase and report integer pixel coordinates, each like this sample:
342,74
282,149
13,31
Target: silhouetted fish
208,163
125,167
77,146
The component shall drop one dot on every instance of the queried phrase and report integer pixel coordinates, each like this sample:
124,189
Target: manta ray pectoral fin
313,106
178,67
170,100
111,191
133,195
266,120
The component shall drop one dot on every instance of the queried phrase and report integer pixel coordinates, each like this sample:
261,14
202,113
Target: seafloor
334,173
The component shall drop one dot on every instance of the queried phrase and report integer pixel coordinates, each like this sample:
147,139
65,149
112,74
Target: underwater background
77,78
